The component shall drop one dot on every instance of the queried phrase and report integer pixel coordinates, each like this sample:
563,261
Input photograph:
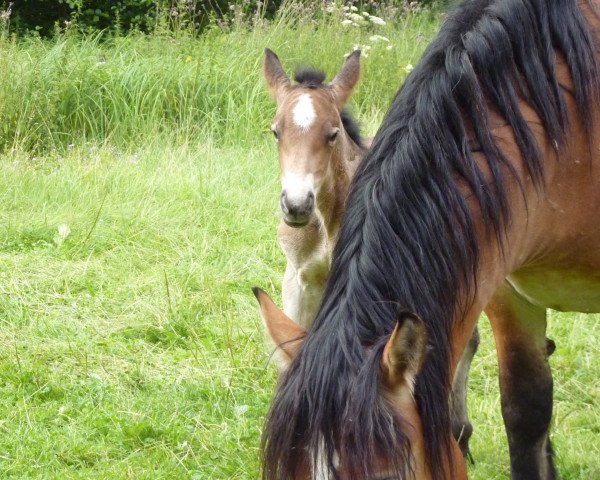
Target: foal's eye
332,136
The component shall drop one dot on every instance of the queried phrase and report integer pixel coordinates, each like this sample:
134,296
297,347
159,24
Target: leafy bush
43,16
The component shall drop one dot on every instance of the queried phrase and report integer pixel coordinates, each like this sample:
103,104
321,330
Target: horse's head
400,362
307,129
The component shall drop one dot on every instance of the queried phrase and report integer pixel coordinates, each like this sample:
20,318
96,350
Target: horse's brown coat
548,256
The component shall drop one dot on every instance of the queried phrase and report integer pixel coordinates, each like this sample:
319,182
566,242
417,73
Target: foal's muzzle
297,212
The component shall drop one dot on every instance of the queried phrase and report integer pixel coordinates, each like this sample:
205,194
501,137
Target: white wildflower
376,20
379,38
355,17
363,48
239,410
63,232
347,22
366,14
389,47
353,8
409,68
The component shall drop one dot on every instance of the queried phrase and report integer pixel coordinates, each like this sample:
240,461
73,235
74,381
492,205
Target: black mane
310,77
313,78
407,241
351,126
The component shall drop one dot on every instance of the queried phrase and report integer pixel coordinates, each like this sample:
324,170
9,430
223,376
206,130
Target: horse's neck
345,158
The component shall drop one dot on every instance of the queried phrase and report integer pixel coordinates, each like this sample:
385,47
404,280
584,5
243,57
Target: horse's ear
274,74
285,333
404,352
346,79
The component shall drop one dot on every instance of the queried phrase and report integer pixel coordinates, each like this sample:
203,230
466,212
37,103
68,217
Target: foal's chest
308,250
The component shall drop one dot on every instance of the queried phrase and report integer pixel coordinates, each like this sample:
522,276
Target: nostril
311,200
283,203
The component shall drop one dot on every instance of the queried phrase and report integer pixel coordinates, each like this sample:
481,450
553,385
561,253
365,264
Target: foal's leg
461,426
525,382
290,293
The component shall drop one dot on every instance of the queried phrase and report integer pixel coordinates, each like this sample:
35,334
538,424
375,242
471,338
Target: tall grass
126,90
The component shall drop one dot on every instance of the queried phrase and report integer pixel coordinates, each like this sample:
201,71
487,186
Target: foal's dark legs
461,426
525,382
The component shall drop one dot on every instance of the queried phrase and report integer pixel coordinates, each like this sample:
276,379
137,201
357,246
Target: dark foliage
110,15
408,240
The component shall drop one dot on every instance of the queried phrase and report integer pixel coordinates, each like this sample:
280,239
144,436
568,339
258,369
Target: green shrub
43,16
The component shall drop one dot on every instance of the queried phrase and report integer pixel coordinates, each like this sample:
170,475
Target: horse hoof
469,457
462,432
550,346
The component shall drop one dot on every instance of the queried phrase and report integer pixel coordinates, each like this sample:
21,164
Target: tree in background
43,16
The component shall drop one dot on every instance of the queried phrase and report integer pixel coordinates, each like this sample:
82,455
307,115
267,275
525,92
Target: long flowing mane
407,240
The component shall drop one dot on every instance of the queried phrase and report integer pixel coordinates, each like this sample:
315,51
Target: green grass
128,89
576,420
132,348
139,205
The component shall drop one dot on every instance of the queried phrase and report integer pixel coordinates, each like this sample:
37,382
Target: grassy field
139,190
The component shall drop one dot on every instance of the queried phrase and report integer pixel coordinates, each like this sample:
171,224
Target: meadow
139,194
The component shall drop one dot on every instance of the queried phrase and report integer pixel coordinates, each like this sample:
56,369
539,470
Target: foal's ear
285,333
346,79
274,74
404,352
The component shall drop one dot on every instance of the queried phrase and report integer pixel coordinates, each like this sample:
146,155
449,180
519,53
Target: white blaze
304,112
321,469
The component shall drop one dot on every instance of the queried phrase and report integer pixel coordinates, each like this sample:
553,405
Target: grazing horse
319,147
481,191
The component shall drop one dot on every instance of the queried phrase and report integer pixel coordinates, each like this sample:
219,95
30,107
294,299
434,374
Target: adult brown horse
481,190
